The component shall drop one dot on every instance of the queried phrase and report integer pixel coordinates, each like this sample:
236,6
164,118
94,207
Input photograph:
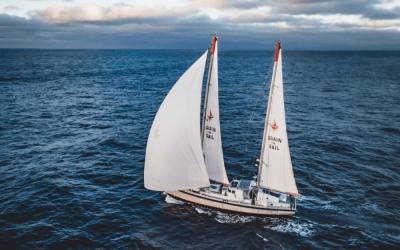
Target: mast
214,41
275,170
211,127
278,47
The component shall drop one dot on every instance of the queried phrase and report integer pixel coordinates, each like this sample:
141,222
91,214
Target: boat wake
233,218
314,203
284,225
222,217
304,229
203,211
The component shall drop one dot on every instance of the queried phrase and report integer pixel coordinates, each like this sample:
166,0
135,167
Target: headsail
276,172
211,132
174,159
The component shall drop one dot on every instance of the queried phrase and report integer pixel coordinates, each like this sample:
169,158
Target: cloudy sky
188,24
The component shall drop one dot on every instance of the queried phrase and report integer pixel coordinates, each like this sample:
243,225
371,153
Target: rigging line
263,86
206,72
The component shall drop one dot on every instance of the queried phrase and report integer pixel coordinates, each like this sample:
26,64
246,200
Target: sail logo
272,145
274,127
210,116
209,133
272,138
211,128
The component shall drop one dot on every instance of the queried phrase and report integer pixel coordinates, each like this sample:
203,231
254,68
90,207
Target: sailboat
186,161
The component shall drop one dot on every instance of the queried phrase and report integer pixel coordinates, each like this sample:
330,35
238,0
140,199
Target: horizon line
298,50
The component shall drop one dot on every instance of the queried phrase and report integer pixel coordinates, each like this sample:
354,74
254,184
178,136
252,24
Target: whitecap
264,239
203,211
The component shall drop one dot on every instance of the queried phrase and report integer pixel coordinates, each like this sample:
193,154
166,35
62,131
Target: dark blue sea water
73,132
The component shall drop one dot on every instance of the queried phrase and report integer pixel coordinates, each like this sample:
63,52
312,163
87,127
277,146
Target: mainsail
211,132
174,158
276,172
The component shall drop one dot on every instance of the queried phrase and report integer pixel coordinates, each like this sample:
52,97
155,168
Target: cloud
94,13
238,12
366,8
383,14
319,24
11,7
227,4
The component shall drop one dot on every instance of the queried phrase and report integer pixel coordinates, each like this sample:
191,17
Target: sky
189,24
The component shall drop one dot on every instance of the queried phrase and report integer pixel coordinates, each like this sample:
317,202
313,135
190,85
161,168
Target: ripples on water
73,131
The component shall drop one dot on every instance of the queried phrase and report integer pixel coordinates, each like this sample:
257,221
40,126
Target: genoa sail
276,172
211,132
174,158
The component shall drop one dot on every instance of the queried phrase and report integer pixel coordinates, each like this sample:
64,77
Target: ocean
74,127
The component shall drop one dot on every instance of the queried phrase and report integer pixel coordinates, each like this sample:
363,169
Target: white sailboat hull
180,156
228,205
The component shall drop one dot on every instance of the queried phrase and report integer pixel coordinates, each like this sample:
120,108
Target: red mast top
213,45
278,47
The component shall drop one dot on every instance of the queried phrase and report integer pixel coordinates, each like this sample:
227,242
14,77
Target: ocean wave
375,209
73,143
378,238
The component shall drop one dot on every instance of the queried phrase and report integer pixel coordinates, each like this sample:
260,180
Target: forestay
276,170
212,146
174,159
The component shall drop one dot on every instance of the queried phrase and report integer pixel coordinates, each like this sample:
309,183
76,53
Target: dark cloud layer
366,8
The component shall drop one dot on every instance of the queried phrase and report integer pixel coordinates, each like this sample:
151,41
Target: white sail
212,146
174,158
276,172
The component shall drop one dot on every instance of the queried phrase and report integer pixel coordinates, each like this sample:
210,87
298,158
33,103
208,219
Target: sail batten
275,171
174,158
211,130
